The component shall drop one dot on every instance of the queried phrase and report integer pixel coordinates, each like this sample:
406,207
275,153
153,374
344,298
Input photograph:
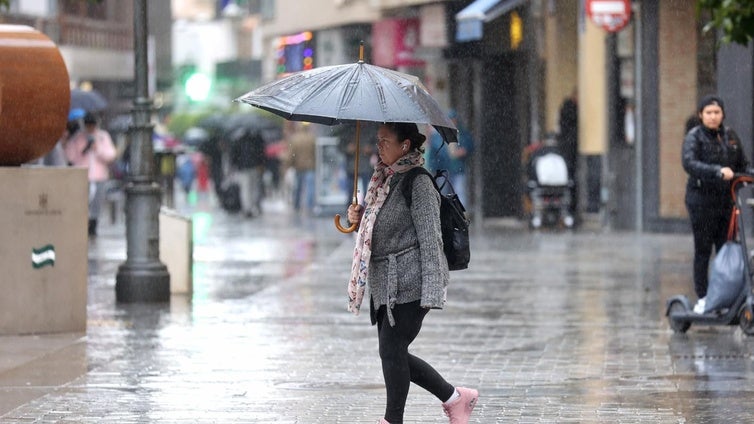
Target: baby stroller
549,187
680,311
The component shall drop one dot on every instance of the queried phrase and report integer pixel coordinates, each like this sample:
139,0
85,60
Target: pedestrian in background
459,155
399,253
247,160
301,157
568,141
92,148
346,134
436,156
711,154
56,156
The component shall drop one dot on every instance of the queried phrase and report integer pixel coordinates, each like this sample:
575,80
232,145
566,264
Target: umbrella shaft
354,199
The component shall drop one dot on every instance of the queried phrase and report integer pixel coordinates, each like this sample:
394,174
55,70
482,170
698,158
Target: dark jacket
247,150
705,152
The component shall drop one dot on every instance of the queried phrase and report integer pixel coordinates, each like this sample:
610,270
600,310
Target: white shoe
699,307
568,221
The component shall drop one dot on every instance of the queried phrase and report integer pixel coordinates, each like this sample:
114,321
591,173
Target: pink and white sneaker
382,421
460,409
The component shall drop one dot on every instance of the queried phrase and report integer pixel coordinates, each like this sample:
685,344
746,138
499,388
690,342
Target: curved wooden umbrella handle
343,229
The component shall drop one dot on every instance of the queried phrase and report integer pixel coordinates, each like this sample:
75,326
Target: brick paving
551,327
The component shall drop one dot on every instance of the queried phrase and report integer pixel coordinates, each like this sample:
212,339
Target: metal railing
78,32
95,34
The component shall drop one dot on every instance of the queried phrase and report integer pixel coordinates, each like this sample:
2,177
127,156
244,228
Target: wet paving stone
550,327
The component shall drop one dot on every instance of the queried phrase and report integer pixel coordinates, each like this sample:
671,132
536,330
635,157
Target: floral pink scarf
377,192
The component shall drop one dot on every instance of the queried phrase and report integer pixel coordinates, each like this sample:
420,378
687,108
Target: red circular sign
612,15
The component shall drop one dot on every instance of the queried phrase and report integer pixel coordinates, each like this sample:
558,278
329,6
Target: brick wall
677,98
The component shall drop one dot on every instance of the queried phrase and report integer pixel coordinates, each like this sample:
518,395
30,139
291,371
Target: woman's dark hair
408,131
710,99
72,126
90,118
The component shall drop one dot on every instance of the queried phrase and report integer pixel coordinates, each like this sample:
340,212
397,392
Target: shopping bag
726,277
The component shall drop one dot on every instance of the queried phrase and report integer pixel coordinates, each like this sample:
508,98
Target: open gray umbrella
354,92
358,91
89,100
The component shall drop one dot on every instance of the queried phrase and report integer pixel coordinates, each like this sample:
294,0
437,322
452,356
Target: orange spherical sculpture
34,94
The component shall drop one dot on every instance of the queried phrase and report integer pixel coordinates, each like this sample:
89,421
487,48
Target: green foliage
734,18
180,122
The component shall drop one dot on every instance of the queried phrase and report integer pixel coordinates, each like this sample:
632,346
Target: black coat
705,152
247,150
569,133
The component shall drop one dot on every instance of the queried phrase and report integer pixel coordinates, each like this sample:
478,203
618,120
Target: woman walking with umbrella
392,236
92,148
399,252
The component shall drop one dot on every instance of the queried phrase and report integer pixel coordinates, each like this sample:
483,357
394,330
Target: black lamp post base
142,283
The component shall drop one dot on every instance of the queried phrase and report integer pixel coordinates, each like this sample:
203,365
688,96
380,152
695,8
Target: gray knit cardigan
407,262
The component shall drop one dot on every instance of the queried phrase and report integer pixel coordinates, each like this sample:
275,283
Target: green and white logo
43,256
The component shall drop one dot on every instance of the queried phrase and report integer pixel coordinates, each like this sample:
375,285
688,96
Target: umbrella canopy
90,101
252,122
214,124
120,124
356,92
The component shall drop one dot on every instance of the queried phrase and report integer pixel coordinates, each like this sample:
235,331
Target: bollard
176,249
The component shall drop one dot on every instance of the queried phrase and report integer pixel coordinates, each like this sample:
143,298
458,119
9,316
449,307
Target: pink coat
97,158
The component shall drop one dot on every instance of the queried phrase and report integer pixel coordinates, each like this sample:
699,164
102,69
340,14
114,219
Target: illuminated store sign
295,53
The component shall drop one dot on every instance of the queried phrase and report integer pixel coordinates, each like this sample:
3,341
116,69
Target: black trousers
709,223
399,367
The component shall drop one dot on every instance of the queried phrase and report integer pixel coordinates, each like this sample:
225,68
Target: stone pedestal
43,250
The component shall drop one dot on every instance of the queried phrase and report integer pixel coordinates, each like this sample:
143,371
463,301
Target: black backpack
453,221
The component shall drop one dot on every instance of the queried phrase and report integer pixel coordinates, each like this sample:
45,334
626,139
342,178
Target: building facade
636,88
504,65
96,42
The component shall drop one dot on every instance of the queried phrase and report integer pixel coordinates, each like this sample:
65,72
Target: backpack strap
408,182
443,173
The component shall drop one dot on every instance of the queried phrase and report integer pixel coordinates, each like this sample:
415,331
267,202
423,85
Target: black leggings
399,367
710,227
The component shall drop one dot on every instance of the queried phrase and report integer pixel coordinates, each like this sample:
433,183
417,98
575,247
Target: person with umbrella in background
92,148
247,162
399,253
460,158
56,156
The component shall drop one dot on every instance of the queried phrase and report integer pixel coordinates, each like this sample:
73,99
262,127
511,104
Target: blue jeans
304,188
459,184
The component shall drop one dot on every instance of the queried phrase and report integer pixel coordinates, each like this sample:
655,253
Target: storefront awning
470,21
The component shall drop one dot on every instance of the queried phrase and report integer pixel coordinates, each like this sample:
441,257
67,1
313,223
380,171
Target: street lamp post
142,278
